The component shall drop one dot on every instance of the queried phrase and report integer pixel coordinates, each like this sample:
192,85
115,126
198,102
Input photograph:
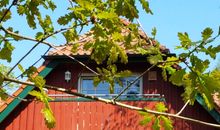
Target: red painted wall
96,115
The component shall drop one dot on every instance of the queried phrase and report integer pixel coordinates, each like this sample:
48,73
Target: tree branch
184,106
115,103
51,45
141,75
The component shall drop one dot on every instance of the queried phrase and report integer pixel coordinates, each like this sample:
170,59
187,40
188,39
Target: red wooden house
75,113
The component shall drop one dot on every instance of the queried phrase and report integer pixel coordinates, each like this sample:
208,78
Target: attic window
86,87
152,75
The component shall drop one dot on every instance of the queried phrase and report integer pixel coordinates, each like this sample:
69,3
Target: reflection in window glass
87,86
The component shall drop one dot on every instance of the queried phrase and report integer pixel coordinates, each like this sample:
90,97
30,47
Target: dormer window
86,87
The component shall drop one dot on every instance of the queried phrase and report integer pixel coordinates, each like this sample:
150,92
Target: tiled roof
88,37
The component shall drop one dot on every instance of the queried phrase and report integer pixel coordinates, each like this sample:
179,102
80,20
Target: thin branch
30,66
23,57
148,40
51,45
115,103
184,106
44,38
141,75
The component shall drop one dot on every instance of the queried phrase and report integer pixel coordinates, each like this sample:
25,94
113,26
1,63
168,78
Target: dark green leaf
21,10
164,74
3,95
7,16
6,51
145,5
1,79
4,3
206,34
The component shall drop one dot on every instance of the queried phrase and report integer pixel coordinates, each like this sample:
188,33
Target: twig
23,57
115,103
184,106
148,40
30,66
133,82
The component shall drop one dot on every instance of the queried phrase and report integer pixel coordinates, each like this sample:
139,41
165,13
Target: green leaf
208,100
156,125
3,94
185,40
49,117
211,51
154,59
160,107
4,3
167,123
30,71
20,67
206,34
164,74
63,20
39,36
211,83
1,79
96,81
177,77
113,56
6,51
146,120
154,32
75,47
52,5
107,15
145,5
37,94
125,73
7,16
70,35
189,84
38,81
21,10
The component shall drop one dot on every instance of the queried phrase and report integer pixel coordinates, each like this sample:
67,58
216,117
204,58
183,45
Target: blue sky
170,17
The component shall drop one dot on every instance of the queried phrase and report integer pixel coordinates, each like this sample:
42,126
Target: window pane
87,86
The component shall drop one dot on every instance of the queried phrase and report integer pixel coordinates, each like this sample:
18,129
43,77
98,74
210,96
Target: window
86,87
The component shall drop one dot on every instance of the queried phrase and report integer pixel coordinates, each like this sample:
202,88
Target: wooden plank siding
92,115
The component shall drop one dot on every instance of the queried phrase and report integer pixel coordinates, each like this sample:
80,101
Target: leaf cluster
111,76
158,121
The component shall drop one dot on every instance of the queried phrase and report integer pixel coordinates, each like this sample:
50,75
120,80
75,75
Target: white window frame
90,76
